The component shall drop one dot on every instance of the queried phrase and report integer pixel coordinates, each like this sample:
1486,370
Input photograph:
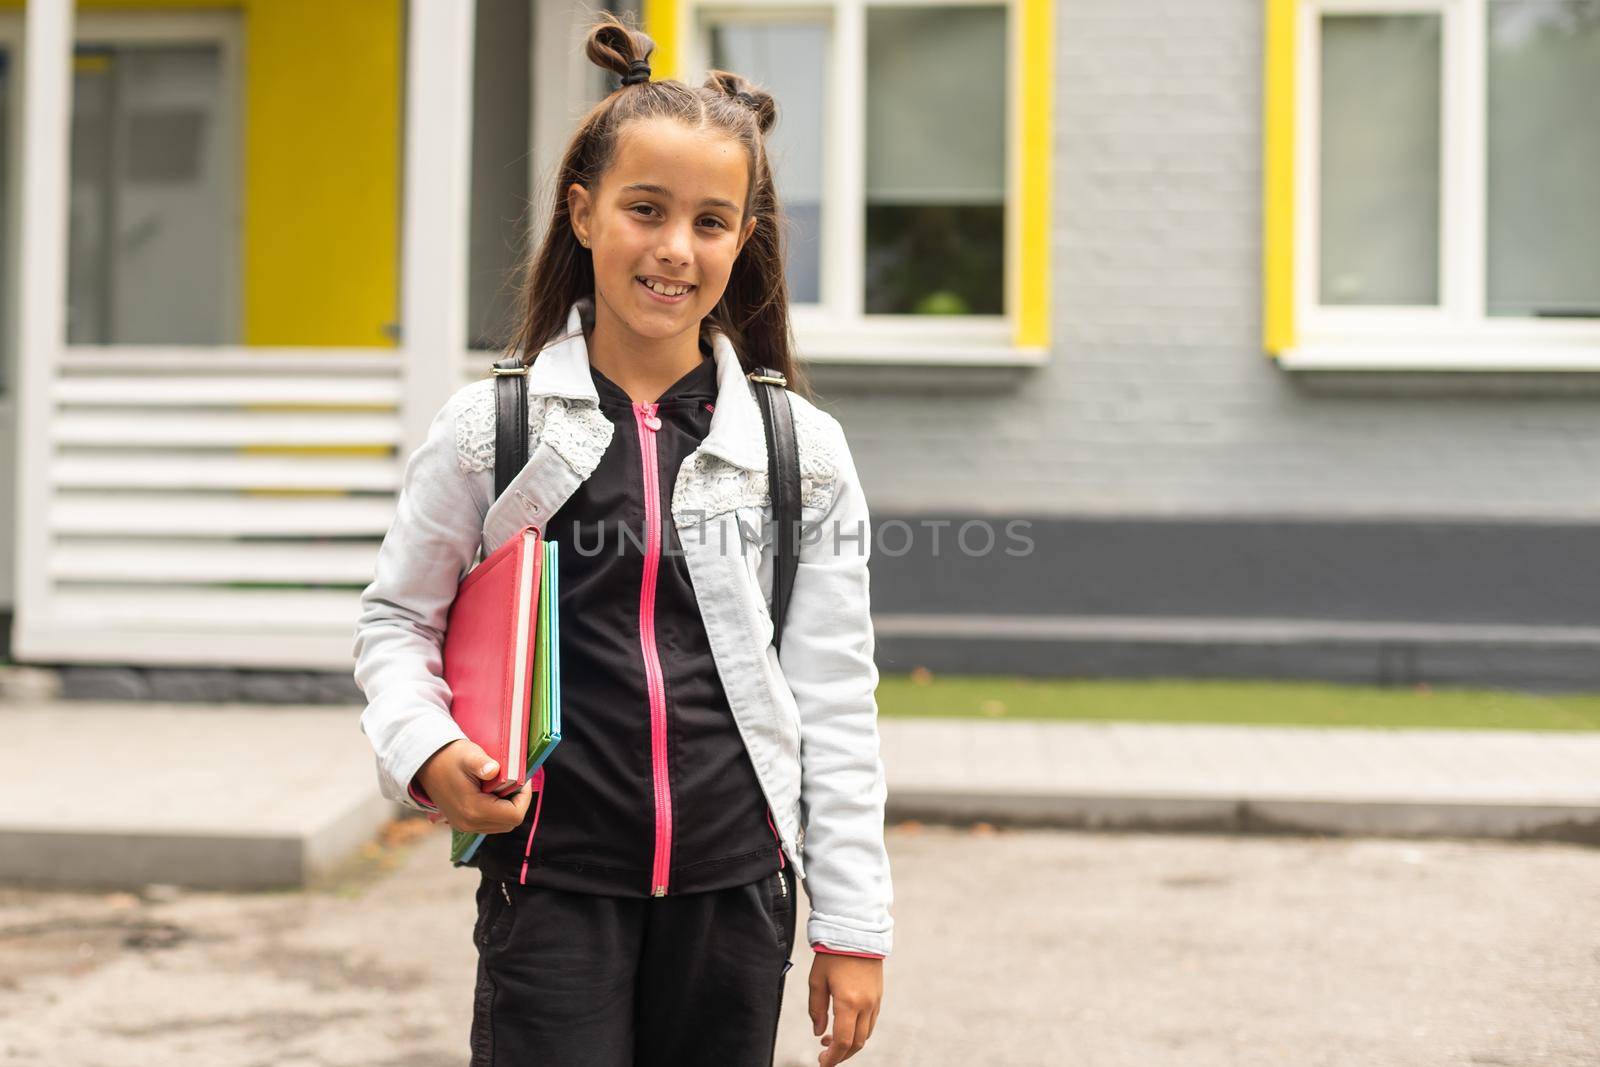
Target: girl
641,911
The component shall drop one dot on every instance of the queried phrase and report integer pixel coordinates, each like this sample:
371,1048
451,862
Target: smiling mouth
685,290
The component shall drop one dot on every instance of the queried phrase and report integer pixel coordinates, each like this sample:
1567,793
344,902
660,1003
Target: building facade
1234,339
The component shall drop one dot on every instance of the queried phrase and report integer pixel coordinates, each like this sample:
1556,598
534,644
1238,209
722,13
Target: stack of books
502,662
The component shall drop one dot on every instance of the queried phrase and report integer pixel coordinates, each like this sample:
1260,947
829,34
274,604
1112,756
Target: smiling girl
641,909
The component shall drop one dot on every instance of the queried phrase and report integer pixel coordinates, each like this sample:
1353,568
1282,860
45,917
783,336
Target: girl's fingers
523,798
844,1031
868,1023
818,1006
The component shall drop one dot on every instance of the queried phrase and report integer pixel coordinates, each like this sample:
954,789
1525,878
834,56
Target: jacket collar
736,435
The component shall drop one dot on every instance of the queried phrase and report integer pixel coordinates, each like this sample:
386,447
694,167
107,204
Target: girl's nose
675,244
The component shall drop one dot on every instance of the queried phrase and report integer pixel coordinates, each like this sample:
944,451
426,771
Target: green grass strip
1222,701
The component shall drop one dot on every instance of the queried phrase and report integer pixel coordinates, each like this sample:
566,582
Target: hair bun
619,48
735,88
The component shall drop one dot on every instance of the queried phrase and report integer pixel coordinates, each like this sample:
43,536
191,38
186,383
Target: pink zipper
648,423
527,850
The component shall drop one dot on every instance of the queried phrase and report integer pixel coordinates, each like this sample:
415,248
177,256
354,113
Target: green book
544,722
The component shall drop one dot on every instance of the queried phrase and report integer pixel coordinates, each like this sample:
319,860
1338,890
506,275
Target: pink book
488,653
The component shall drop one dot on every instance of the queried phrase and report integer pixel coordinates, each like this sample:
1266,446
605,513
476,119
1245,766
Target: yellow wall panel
1033,258
1277,178
661,19
322,171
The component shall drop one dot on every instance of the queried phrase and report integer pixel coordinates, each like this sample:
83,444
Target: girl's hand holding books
855,985
453,778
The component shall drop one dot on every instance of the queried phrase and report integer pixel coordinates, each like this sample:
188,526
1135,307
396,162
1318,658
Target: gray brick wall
1157,398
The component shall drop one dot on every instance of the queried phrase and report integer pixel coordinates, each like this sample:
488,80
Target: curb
1178,813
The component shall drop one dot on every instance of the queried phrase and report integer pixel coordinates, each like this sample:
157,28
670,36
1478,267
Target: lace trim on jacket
475,425
708,485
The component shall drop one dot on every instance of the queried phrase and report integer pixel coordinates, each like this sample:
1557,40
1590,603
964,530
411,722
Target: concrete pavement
248,796
1013,948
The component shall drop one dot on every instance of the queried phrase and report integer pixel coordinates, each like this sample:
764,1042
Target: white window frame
1456,335
836,330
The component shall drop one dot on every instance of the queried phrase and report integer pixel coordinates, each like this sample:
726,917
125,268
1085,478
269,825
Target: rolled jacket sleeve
827,660
399,666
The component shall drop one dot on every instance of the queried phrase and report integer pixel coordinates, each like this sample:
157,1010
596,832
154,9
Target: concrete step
105,794
1236,778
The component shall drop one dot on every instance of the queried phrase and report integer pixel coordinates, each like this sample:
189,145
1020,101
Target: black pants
581,980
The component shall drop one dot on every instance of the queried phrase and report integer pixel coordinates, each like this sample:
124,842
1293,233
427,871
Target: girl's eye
713,218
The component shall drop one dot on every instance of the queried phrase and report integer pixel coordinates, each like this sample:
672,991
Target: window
1543,159
911,165
1429,181
153,245
502,106
936,155
1378,231
791,56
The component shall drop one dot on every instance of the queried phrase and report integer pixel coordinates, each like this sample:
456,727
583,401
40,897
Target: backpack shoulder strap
510,421
783,478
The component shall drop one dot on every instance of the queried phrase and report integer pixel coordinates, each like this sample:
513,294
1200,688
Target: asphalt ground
1012,947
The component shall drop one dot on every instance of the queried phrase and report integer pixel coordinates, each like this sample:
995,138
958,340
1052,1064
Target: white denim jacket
808,716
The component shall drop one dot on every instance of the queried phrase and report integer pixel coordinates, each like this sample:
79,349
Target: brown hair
754,309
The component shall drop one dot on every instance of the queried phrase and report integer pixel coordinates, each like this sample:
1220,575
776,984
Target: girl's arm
827,659
430,545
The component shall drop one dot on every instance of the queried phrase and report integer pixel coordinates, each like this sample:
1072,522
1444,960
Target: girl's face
668,210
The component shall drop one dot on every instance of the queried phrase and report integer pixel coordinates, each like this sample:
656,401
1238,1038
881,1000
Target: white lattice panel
213,507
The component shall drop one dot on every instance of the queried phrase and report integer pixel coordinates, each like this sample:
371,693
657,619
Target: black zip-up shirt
598,829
